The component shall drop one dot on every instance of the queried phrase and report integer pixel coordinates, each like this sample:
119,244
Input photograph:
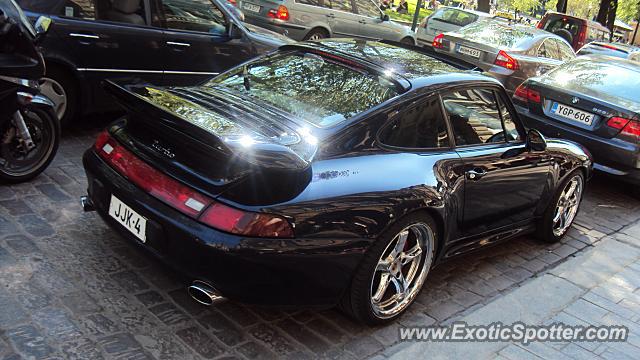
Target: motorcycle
29,128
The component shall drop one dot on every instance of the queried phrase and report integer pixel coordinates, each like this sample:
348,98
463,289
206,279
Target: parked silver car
446,19
318,19
510,53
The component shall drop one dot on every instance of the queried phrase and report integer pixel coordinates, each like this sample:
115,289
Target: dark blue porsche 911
331,173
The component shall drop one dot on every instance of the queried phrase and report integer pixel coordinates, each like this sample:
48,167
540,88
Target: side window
551,49
447,15
318,3
83,9
510,127
474,116
342,5
542,50
420,127
566,52
194,15
367,8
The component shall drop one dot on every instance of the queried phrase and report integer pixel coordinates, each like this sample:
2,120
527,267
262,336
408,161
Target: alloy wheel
401,270
56,93
567,206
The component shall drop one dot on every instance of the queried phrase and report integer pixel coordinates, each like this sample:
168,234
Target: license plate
251,7
128,218
469,51
573,114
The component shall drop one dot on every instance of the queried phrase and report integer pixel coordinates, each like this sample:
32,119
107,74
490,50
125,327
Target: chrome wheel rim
567,206
316,36
54,92
401,270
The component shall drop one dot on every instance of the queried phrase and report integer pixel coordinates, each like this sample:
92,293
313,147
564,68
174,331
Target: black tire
545,227
64,79
357,301
316,34
50,128
408,41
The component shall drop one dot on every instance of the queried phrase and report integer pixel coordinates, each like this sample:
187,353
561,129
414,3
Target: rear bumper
608,154
295,32
290,272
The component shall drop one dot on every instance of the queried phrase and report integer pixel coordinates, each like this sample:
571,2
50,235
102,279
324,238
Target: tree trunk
561,6
484,5
612,17
603,12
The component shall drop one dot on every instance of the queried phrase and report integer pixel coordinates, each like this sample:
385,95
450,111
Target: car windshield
317,89
497,34
617,81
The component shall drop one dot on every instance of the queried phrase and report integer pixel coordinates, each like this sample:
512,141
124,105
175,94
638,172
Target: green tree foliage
583,8
628,10
521,5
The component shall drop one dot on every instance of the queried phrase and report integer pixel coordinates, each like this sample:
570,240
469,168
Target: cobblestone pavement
71,288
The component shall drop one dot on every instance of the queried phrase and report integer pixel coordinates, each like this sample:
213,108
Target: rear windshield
557,22
604,80
455,17
496,34
319,90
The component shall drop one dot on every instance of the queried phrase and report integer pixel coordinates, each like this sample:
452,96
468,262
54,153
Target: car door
196,41
110,40
370,22
503,179
342,19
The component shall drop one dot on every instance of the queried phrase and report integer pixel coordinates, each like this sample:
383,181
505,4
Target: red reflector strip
151,180
186,200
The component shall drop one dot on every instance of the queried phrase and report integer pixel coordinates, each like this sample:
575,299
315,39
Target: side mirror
385,17
42,25
536,141
235,32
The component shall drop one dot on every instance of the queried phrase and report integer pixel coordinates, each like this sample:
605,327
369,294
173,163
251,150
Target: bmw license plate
131,220
469,51
251,7
572,114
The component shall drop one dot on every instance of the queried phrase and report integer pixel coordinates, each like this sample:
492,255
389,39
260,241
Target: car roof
412,63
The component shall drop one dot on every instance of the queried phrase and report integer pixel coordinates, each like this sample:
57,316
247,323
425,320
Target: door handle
178,44
84,36
331,16
476,173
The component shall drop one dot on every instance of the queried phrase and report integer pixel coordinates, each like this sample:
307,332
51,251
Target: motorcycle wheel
18,165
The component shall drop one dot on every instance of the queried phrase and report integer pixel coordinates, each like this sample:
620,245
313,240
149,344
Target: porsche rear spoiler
175,111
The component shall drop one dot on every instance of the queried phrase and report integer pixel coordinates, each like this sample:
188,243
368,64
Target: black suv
178,42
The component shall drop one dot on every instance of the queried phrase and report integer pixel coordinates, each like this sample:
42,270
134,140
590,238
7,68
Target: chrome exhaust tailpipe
87,204
204,293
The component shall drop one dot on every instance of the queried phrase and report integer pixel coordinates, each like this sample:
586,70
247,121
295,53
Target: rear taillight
437,41
187,200
232,2
525,94
626,126
582,36
506,61
281,13
232,220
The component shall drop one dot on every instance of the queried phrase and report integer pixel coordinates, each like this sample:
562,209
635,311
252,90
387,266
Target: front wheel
393,271
563,208
19,164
